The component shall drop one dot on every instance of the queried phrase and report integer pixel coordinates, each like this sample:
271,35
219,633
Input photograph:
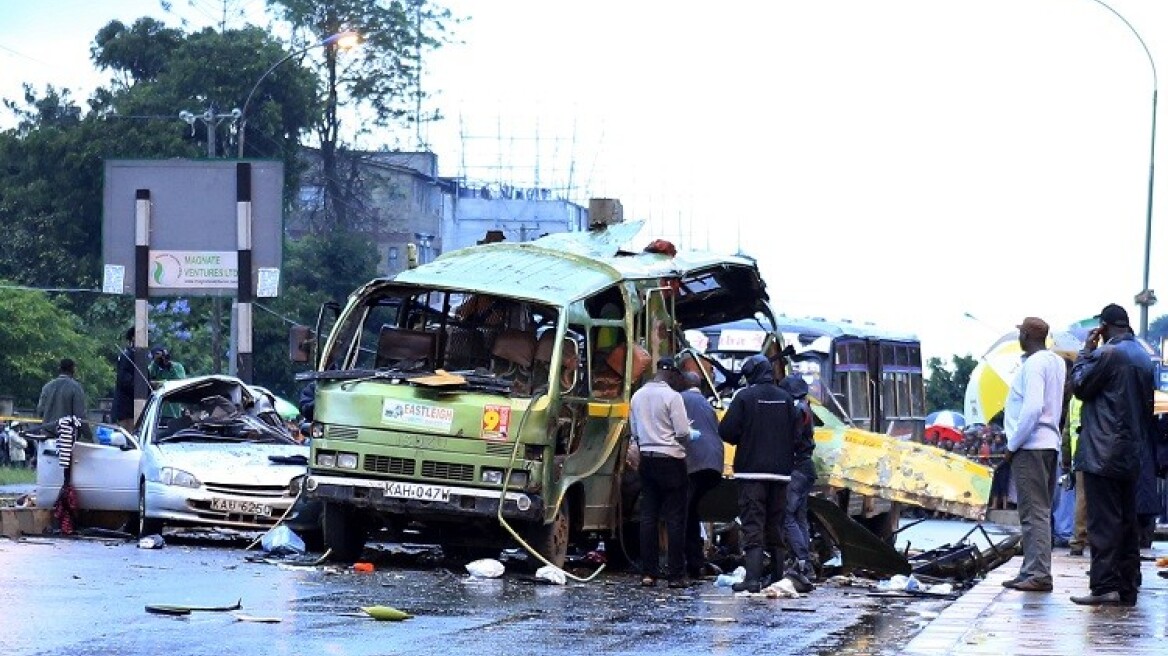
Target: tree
382,76
53,161
945,388
1158,330
35,334
317,268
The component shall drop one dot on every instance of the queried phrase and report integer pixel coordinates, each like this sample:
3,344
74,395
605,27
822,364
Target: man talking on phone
1115,379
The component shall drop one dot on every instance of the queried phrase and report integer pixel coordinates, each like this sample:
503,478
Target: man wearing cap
762,422
661,429
1033,412
1116,382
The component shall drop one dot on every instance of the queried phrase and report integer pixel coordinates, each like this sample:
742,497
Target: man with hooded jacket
1116,382
762,424
795,526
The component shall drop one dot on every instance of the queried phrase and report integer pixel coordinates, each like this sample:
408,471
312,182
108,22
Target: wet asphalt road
81,597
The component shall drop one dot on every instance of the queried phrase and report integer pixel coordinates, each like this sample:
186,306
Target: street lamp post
1146,298
340,37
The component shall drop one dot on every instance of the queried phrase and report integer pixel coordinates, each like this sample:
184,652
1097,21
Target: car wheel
146,525
344,533
551,540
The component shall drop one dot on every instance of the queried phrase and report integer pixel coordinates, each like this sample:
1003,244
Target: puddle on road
880,631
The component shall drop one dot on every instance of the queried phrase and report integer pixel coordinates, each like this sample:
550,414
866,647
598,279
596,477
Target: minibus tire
551,540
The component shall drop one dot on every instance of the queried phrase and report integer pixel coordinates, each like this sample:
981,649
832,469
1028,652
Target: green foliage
945,388
52,170
141,51
1157,330
35,334
317,268
51,189
17,476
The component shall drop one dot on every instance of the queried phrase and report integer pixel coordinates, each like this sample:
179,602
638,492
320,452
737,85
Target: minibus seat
517,347
396,345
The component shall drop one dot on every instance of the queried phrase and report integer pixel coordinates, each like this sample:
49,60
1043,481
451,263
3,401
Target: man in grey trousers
1034,409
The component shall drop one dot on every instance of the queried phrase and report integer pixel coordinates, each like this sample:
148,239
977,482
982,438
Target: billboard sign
193,224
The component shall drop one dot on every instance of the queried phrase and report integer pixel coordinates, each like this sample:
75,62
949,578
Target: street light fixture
341,40
1146,298
212,120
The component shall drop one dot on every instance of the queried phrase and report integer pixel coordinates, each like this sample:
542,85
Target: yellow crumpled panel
886,467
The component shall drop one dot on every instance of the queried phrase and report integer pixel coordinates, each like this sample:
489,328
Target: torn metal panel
859,547
873,464
887,467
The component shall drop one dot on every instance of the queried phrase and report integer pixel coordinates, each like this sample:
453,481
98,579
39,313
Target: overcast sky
905,162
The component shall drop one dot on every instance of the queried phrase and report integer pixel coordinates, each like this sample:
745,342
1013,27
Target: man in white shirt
1033,412
661,429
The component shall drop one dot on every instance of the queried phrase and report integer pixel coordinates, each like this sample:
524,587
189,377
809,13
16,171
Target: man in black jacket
795,526
1116,383
762,423
123,402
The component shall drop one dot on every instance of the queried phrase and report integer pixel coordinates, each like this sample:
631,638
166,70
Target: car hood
237,464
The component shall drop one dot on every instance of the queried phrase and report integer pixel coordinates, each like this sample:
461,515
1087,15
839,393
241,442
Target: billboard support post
141,297
245,289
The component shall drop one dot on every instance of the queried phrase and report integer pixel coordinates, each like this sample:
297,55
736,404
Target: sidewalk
990,619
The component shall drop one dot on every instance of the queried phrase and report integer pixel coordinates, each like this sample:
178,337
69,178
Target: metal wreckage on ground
482,399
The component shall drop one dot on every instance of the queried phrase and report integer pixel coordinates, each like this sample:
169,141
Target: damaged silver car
215,453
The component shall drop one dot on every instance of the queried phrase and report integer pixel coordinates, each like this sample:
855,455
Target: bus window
854,386
917,383
888,396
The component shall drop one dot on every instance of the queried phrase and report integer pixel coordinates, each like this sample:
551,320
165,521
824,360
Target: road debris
551,574
176,609
151,542
386,613
485,568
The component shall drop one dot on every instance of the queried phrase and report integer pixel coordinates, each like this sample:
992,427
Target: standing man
123,405
762,423
62,396
704,460
1034,409
661,430
163,368
795,525
1116,382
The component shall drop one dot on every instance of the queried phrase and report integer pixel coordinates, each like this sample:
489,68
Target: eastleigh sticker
417,415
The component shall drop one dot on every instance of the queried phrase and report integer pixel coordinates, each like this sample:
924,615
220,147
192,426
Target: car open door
105,471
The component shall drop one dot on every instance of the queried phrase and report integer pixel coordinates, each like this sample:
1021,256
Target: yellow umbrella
989,383
986,394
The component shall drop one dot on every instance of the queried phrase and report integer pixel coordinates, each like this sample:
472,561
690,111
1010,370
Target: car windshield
215,412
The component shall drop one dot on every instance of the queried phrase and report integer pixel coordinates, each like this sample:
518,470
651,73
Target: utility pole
212,120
